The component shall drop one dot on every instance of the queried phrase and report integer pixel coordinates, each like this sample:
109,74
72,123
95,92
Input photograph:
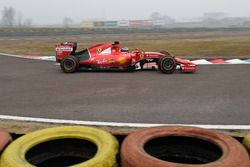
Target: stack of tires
182,147
79,146
246,143
62,146
5,139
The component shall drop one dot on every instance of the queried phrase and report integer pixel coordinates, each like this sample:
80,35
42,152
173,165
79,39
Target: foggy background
73,13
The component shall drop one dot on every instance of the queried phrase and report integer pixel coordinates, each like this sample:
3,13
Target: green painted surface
247,60
51,58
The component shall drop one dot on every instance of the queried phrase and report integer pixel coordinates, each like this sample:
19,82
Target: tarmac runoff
120,124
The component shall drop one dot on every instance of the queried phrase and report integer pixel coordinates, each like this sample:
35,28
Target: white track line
116,124
44,58
11,55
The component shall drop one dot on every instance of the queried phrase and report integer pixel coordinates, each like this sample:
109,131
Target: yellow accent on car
122,60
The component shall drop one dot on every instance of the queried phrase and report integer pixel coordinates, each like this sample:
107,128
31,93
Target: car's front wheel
167,64
70,64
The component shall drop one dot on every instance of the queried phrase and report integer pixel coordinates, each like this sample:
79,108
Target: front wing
182,65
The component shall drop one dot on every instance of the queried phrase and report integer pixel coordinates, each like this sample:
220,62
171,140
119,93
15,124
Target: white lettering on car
64,49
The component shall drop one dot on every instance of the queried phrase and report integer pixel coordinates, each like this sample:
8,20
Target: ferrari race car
110,56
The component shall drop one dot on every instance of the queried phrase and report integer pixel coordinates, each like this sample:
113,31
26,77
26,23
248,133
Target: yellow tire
246,142
22,151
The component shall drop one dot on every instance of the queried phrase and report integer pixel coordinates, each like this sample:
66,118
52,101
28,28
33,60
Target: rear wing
65,49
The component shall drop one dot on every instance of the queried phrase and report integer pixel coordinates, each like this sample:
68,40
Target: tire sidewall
246,142
106,154
5,139
75,64
163,68
233,152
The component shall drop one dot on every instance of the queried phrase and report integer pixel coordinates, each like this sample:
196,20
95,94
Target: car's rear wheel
167,64
70,64
58,60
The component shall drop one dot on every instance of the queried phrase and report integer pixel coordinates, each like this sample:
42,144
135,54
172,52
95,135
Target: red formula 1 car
109,56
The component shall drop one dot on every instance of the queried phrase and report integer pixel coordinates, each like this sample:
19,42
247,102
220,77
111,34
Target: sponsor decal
153,56
122,60
101,61
150,60
64,49
111,60
104,60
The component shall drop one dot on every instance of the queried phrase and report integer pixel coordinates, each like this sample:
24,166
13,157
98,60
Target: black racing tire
178,146
167,64
130,68
70,64
75,146
58,60
5,139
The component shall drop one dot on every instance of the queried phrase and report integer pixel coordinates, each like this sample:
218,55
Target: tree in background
27,22
67,22
19,19
8,17
12,18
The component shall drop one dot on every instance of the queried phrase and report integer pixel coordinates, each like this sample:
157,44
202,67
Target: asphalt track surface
216,94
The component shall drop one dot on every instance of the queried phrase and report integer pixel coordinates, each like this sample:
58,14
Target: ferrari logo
142,56
99,50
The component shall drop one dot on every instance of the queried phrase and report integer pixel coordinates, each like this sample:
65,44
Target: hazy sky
53,11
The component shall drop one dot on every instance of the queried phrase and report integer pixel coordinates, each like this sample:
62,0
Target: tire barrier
246,142
76,146
177,146
5,139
